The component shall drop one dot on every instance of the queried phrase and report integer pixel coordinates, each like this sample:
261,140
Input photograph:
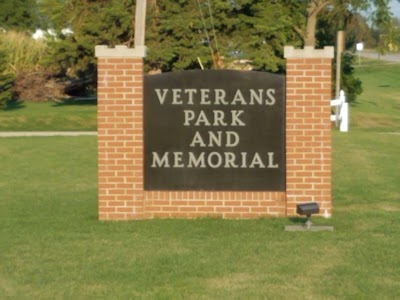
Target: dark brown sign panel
214,130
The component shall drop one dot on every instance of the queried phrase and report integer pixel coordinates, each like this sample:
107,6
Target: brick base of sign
121,194
214,204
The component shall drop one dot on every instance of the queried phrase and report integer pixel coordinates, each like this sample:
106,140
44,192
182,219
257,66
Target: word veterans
216,97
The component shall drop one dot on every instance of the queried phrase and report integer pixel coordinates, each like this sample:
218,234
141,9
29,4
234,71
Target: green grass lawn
49,116
53,247
378,108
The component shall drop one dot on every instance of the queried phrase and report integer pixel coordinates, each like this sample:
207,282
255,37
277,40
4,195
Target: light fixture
307,209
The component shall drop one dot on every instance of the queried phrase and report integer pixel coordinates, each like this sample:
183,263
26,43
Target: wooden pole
140,23
339,51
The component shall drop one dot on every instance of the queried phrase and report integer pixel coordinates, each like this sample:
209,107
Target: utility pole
339,51
140,23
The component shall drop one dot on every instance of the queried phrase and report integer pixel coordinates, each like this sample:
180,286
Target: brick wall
193,204
120,145
308,127
120,133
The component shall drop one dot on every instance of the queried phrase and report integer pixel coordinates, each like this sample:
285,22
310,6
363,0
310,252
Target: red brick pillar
120,132
308,127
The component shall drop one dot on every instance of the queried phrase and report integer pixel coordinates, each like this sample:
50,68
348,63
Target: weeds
24,54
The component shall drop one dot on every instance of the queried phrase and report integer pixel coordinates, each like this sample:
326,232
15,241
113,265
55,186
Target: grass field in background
378,108
49,116
53,247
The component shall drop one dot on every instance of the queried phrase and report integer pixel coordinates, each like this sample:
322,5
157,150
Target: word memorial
214,130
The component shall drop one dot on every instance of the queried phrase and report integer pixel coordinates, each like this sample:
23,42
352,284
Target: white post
344,122
344,113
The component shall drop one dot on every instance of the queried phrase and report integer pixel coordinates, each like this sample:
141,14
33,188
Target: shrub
352,85
6,81
37,86
26,62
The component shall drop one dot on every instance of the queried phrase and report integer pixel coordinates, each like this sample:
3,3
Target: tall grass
24,54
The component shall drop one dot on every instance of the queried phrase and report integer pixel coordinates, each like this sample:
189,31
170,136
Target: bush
6,81
37,86
26,62
352,85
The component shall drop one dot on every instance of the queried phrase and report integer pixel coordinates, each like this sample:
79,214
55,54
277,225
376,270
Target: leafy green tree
311,9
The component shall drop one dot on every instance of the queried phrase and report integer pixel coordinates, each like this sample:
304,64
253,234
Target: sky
395,5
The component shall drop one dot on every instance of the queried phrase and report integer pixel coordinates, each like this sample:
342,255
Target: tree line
180,35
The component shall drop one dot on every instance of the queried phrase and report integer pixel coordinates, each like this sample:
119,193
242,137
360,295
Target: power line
213,27
207,35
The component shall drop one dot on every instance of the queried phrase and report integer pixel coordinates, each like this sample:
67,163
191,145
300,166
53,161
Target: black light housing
307,209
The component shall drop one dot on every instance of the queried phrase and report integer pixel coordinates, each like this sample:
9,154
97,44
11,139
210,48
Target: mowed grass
49,116
378,108
53,247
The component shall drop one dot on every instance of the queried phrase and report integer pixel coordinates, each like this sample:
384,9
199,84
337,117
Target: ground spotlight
307,209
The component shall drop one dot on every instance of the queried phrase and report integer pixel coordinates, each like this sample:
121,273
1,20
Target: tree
388,37
218,32
178,33
317,22
183,34
19,14
312,9
92,23
326,35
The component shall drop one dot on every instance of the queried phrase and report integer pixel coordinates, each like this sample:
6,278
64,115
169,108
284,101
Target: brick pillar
308,127
120,132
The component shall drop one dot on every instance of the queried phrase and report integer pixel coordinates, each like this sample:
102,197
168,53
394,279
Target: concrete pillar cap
120,51
309,52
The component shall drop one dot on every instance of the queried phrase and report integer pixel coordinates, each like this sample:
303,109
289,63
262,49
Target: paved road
395,57
45,133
